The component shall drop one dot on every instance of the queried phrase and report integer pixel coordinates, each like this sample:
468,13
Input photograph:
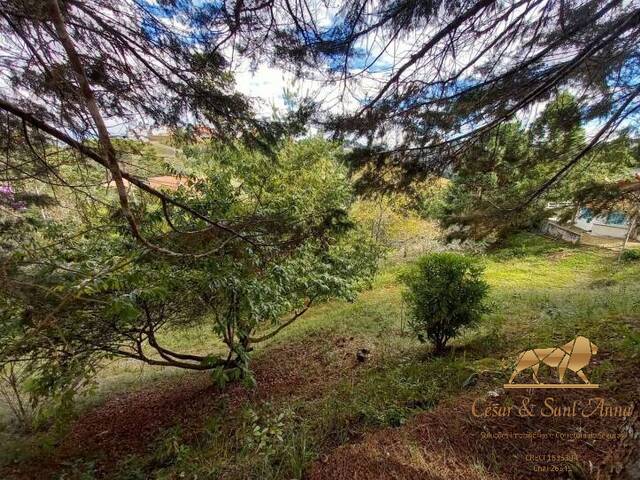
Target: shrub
30,410
445,293
631,255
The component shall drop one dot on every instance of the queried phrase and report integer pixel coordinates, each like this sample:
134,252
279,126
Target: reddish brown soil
448,443
130,423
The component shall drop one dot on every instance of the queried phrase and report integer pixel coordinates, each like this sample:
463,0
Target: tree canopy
426,82
514,160
72,70
421,83
469,89
96,293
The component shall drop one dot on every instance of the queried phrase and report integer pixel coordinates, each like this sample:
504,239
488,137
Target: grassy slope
543,293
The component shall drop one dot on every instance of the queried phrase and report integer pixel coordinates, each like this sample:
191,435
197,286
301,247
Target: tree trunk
106,147
108,152
632,227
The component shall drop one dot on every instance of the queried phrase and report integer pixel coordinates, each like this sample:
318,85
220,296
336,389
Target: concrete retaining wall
559,231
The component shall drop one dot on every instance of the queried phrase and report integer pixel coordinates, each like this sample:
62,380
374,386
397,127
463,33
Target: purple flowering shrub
8,198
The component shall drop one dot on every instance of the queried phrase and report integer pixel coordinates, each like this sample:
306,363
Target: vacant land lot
317,412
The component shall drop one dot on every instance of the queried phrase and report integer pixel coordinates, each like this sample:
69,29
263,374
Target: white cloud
265,85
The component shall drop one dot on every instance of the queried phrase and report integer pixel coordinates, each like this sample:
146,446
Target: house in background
159,182
602,228
612,224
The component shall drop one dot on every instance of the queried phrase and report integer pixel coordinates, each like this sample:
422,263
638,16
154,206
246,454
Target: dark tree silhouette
441,75
71,69
435,77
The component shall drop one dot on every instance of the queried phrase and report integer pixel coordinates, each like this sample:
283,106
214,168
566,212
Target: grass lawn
314,398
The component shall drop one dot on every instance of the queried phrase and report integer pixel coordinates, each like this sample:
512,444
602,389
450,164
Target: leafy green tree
75,67
74,70
98,294
500,174
446,293
393,222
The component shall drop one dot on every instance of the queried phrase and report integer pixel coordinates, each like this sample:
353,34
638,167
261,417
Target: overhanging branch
282,326
87,151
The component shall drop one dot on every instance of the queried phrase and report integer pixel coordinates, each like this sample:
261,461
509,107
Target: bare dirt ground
451,443
130,423
446,443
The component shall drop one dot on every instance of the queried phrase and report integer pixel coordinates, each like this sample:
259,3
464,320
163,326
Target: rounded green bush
631,255
445,293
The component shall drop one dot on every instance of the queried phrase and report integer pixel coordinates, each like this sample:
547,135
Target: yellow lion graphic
574,356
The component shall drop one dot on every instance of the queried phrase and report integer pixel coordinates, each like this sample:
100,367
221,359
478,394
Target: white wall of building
614,224
583,223
615,231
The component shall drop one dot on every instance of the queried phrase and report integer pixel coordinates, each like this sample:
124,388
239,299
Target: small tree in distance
445,293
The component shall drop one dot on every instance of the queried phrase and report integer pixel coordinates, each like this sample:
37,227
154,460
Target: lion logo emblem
573,356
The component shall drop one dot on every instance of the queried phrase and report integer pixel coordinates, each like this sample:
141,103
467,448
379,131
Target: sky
266,83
